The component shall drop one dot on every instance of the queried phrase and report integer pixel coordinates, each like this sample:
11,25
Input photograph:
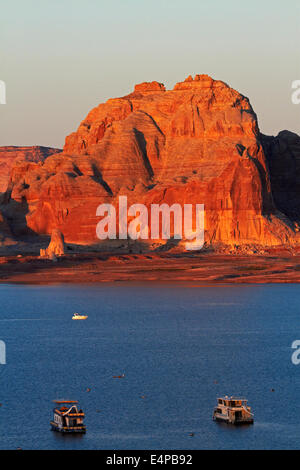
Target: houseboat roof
232,398
60,402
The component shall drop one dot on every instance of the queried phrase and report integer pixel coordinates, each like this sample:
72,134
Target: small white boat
78,316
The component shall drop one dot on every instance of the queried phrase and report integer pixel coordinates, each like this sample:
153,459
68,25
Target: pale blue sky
60,58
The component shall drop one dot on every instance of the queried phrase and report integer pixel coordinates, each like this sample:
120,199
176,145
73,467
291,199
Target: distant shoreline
206,268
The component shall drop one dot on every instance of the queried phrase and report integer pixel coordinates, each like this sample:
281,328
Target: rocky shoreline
276,266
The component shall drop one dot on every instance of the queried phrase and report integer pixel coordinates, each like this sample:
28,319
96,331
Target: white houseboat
67,418
233,410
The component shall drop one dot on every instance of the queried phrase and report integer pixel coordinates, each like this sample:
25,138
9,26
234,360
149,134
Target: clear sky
60,58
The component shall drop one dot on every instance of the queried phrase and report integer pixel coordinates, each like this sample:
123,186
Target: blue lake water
179,346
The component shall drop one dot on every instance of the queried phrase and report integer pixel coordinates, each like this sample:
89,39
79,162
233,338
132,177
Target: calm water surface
179,346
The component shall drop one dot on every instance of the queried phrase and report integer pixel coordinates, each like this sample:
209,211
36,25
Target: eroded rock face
56,246
10,155
198,143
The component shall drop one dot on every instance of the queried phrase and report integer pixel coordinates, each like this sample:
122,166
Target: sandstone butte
198,143
56,246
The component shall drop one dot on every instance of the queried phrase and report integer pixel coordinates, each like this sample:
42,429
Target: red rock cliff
197,143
